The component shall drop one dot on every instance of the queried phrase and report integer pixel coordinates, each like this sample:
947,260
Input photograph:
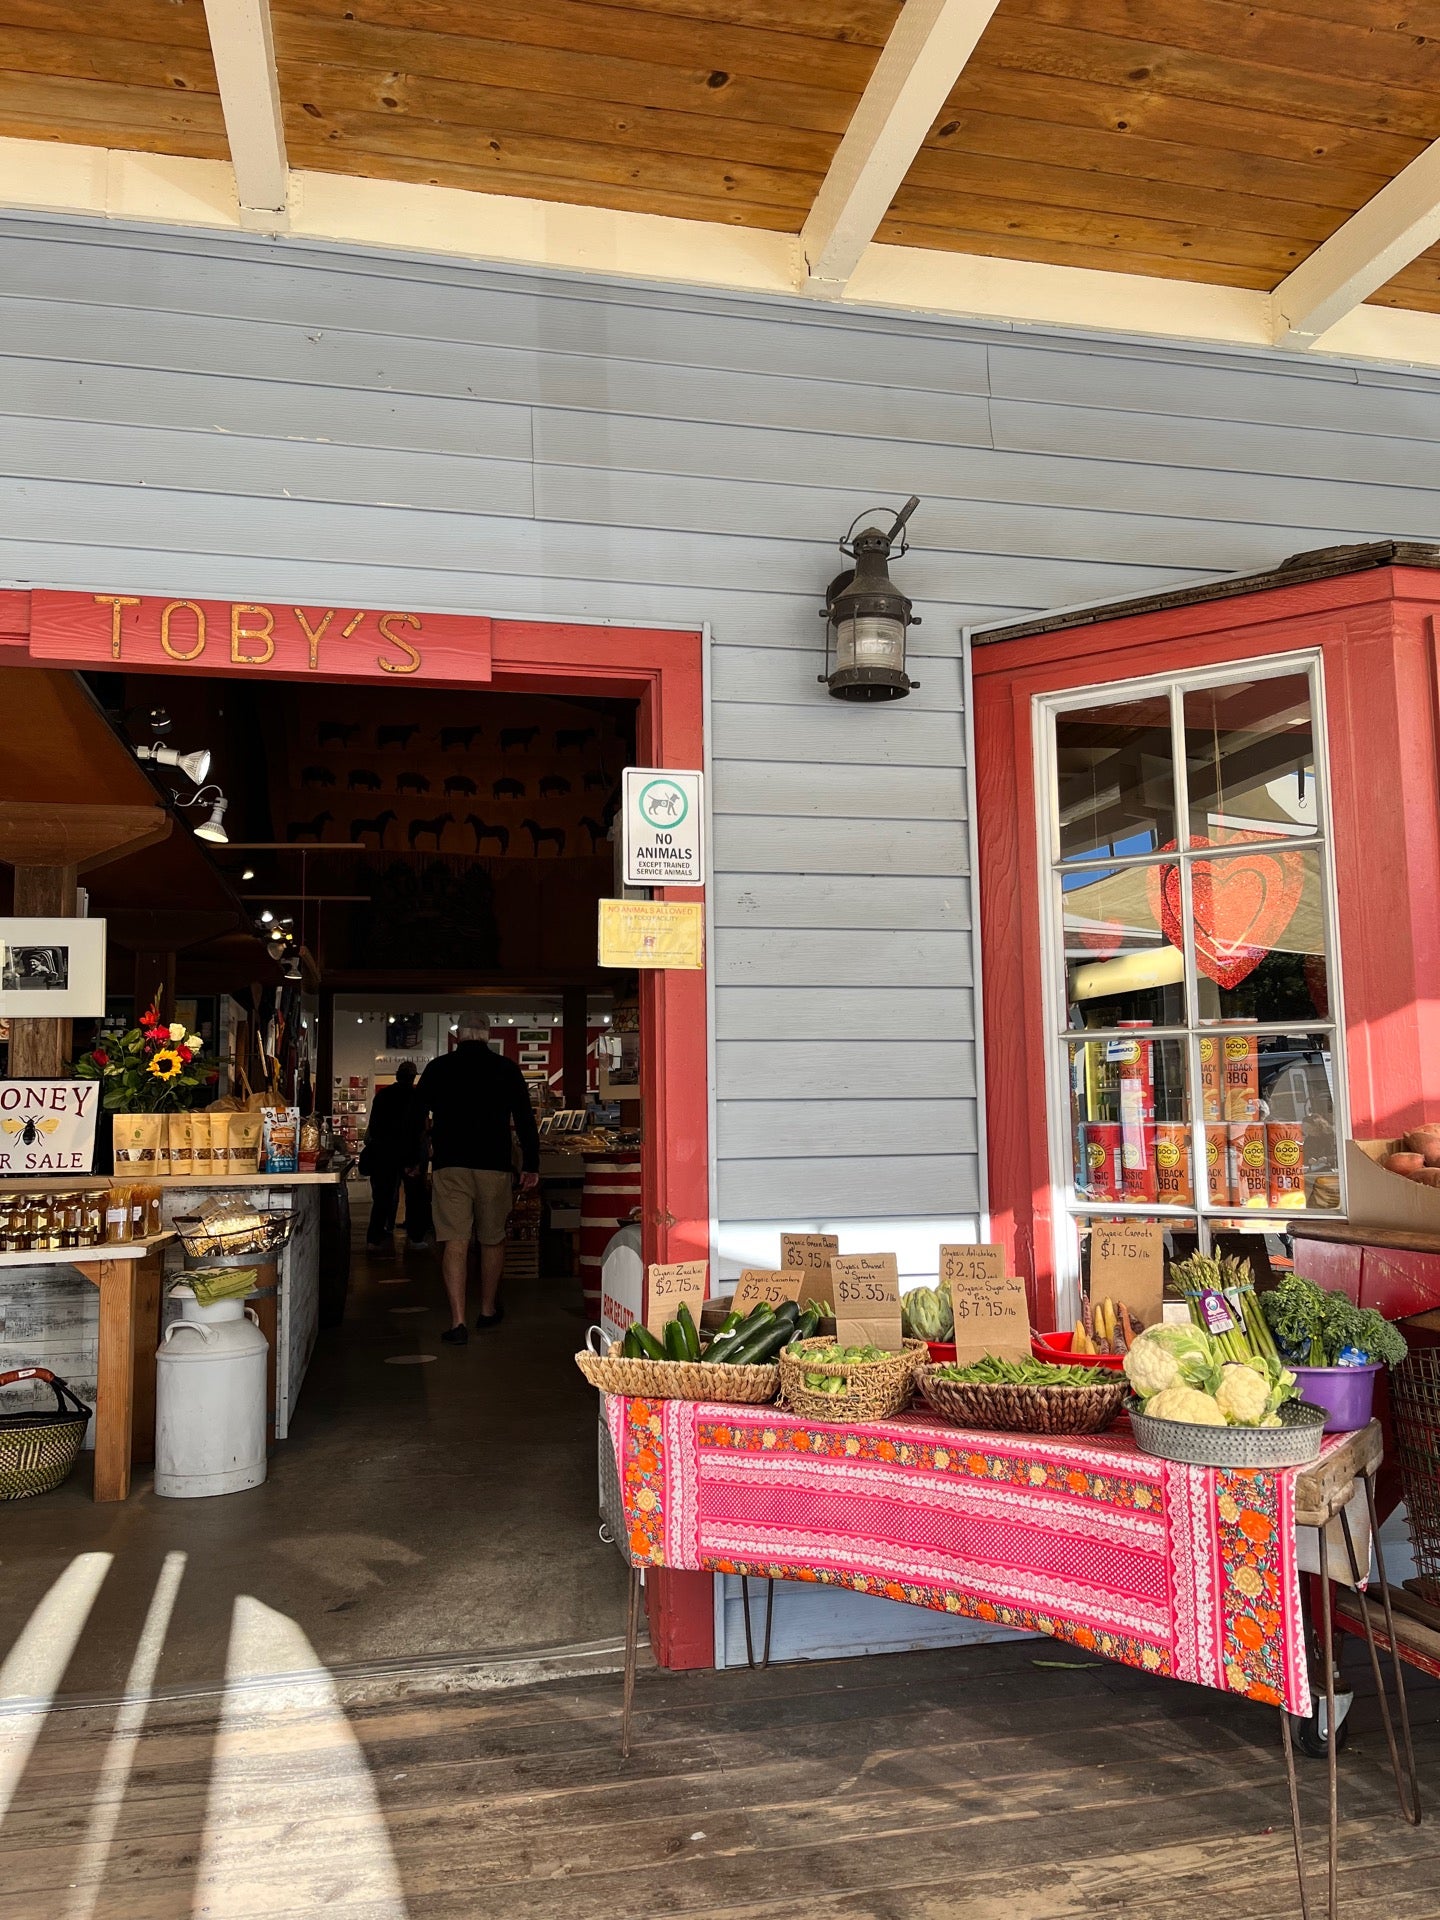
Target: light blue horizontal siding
241,418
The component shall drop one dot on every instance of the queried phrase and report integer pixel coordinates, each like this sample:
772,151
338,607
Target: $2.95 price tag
667,1286
992,1314
756,1284
867,1300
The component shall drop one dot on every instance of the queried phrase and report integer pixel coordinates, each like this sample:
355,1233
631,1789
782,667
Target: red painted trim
663,670
1379,637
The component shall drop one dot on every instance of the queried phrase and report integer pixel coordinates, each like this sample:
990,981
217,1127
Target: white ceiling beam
1373,245
244,50
918,66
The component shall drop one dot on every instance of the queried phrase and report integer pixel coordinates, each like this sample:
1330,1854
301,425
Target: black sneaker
483,1320
456,1336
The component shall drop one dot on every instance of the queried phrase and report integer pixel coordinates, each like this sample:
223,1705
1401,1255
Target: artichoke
928,1314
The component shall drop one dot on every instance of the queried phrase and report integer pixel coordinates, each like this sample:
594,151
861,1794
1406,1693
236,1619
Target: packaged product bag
139,1142
242,1142
180,1137
202,1134
282,1139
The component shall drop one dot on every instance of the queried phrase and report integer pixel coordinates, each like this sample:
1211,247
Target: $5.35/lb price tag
668,1285
867,1300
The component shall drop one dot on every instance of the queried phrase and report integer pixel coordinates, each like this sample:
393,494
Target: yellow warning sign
652,933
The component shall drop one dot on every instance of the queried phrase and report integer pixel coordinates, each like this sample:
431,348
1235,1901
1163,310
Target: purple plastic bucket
1346,1393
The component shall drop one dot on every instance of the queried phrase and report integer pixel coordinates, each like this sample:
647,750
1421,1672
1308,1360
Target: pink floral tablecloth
1185,1571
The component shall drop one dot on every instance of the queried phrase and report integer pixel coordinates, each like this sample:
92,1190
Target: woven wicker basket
679,1379
874,1389
38,1451
1088,1409
1296,1441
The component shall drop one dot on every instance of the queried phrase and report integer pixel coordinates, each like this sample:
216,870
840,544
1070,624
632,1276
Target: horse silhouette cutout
553,783
508,789
337,733
483,830
377,826
364,778
395,736
596,782
567,738
543,836
460,783
518,737
309,829
412,783
435,828
317,777
596,829
458,737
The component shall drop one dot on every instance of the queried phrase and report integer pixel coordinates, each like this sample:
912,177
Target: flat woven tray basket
679,1379
873,1389
1088,1409
1293,1443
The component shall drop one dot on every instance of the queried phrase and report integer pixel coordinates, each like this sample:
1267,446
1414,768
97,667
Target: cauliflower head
1243,1394
1164,1357
1184,1404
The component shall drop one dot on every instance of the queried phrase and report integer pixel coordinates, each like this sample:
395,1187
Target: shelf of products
350,1111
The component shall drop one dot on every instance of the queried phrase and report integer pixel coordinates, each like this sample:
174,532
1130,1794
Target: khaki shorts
470,1203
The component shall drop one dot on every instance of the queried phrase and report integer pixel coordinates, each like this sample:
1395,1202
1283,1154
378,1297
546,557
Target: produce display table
1190,1572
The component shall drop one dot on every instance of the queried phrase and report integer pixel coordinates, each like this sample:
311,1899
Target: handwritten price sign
867,1300
666,1286
810,1254
756,1284
1127,1263
992,1314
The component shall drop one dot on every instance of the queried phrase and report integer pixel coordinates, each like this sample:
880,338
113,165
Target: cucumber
629,1345
650,1347
675,1345
728,1325
763,1345
723,1345
686,1323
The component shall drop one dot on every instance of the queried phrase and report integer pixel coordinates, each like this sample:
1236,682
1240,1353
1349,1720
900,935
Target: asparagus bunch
1250,1337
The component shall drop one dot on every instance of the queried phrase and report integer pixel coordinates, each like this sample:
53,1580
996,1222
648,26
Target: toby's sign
257,637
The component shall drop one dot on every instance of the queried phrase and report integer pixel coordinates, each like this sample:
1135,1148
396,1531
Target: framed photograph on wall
51,969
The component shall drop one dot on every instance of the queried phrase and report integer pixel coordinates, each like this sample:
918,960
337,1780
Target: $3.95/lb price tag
867,1300
810,1254
667,1286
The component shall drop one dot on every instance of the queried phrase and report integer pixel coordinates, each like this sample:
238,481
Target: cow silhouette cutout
569,738
309,829
378,826
518,737
508,789
317,777
460,783
596,829
400,736
597,782
364,778
544,836
483,830
337,733
553,783
435,828
412,783
458,737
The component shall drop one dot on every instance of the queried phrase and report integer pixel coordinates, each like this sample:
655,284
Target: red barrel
611,1194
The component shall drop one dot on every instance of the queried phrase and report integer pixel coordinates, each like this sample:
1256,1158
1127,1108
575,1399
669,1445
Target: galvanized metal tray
1294,1443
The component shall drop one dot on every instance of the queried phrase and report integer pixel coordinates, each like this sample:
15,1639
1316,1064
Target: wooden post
40,1049
325,1052
575,1013
115,1396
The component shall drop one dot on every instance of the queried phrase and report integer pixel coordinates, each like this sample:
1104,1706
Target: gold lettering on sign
391,666
182,606
115,601
314,634
350,625
239,632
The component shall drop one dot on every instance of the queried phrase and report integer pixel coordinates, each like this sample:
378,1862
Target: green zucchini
675,1347
723,1345
629,1345
763,1345
650,1347
685,1320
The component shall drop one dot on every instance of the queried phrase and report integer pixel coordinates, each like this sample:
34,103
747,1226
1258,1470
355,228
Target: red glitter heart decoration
1241,906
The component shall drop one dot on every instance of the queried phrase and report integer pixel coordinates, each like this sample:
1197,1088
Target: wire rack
1415,1405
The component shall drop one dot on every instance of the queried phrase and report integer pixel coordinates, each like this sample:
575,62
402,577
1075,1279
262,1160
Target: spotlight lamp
213,829
866,615
194,765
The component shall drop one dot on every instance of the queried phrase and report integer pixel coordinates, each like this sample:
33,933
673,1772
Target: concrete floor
415,1510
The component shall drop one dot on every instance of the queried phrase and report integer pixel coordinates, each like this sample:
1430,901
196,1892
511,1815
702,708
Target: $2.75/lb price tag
668,1285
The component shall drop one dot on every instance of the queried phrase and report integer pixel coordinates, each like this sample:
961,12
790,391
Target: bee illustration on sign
30,1129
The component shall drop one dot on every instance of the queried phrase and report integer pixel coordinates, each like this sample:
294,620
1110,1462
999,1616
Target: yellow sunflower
167,1064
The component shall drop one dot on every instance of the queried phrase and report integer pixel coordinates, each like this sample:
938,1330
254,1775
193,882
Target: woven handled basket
1017,1409
38,1450
871,1389
678,1379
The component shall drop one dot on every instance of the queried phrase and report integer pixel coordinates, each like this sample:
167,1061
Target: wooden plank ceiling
1199,140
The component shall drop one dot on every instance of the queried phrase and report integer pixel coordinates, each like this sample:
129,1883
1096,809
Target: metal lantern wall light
866,615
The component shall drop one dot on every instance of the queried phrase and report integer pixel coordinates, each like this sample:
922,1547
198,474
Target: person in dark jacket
474,1097
395,1150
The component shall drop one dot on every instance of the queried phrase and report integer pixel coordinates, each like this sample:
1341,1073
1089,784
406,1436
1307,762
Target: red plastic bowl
1057,1347
942,1352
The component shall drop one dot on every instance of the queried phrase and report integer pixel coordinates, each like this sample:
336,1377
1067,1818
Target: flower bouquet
148,1068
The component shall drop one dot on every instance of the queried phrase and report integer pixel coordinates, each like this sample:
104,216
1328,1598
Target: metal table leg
1332,1744
1409,1804
632,1639
1296,1831
769,1618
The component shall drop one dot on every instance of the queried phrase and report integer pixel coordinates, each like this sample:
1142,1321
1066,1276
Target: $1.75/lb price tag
867,1300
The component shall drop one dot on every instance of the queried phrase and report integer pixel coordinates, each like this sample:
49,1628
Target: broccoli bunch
1314,1325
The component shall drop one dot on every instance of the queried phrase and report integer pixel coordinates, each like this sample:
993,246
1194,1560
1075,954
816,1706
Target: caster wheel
1310,1741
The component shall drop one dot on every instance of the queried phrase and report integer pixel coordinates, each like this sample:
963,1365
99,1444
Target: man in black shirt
474,1096
395,1150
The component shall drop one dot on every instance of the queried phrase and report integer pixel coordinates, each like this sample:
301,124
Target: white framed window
1193,1018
